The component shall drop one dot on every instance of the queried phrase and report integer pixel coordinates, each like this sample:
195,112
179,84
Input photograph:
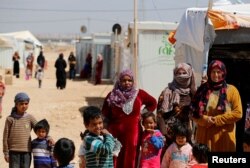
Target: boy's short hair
148,114
64,151
91,112
246,137
21,97
43,124
200,152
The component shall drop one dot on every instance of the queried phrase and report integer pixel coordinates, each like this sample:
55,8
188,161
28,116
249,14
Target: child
179,153
98,143
152,142
39,76
2,91
41,149
16,135
200,154
64,152
246,140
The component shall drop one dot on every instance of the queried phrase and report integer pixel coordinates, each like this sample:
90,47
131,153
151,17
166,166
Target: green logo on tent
168,49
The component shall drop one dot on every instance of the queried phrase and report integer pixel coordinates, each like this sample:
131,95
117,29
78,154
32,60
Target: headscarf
99,57
21,97
119,95
184,83
200,100
181,85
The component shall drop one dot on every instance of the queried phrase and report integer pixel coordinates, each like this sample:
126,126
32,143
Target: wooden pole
135,44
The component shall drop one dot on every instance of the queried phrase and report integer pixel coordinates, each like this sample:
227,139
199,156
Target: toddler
64,152
41,148
152,142
179,153
200,154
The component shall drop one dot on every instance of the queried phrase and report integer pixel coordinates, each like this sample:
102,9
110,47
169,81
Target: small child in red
152,142
2,90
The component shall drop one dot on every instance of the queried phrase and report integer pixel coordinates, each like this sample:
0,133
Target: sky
68,16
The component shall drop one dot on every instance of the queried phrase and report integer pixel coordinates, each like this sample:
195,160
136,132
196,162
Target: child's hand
6,158
104,131
151,131
51,141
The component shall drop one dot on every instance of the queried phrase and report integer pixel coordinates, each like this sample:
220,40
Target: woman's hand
210,121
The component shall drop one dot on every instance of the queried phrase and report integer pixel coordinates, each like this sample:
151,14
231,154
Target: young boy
41,148
16,135
64,152
98,143
246,140
2,91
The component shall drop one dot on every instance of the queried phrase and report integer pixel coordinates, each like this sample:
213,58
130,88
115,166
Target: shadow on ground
92,101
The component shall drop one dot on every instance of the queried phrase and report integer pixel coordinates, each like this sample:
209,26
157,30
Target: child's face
41,133
246,147
22,107
181,140
149,123
95,126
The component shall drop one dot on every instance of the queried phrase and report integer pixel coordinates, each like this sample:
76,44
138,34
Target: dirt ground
60,107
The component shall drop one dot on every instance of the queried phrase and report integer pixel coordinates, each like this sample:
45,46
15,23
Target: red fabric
98,75
127,128
200,166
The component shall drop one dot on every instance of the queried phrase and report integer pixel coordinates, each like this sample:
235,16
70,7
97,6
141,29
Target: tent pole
135,44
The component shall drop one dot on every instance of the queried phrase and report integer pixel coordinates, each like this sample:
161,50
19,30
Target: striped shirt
42,154
99,151
16,135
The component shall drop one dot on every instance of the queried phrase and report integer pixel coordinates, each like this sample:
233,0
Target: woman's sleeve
105,107
235,114
148,100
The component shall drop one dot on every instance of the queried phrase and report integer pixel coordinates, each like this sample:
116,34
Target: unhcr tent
222,32
26,42
8,45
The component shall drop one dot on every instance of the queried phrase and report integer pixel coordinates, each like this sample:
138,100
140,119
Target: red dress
126,127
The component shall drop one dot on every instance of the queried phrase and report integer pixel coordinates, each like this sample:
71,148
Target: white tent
26,36
24,42
196,34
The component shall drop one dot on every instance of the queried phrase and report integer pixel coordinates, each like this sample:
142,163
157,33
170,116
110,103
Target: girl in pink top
179,153
152,142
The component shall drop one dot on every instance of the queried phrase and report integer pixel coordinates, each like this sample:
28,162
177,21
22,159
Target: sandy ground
60,107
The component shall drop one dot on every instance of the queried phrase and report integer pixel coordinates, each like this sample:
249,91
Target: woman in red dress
122,111
98,69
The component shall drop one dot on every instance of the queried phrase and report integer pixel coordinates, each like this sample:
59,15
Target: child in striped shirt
41,148
98,142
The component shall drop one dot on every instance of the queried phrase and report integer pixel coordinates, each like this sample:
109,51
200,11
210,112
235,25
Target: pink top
175,157
151,149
